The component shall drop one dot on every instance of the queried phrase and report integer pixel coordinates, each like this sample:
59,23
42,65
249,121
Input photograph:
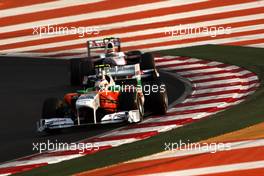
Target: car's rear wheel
133,57
78,69
75,72
133,53
147,62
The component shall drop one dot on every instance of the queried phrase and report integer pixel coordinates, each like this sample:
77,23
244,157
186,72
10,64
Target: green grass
248,113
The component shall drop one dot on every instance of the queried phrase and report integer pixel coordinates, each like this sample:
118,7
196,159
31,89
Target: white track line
47,159
136,33
133,43
213,169
217,96
43,7
213,41
259,45
141,130
193,151
100,14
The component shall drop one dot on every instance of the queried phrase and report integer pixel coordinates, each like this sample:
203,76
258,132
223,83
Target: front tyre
131,101
156,101
52,108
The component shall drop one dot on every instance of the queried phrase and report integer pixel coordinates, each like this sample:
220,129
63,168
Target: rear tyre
147,62
135,52
133,57
75,72
78,69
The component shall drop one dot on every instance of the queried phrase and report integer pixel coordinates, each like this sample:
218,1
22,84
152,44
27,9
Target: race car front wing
132,116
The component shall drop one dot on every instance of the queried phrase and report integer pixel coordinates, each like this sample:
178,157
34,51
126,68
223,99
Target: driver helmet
102,83
110,48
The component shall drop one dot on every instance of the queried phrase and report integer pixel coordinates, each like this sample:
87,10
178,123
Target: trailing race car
118,95
112,55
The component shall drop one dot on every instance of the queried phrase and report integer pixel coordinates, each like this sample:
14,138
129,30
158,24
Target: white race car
111,54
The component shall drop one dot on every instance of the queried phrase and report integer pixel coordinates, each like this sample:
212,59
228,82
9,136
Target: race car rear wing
101,43
117,72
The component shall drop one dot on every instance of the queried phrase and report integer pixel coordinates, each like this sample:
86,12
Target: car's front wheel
52,108
156,98
131,101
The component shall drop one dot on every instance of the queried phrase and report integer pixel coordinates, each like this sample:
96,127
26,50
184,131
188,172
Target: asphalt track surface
24,85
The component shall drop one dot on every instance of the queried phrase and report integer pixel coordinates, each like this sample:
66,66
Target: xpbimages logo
200,147
56,146
50,30
188,31
147,88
